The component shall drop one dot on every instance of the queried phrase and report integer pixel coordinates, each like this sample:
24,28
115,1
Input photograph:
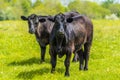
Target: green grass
19,54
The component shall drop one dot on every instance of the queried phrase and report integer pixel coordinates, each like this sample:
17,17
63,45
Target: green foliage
47,7
20,56
10,13
2,9
107,3
91,9
115,9
13,9
26,6
113,6
37,3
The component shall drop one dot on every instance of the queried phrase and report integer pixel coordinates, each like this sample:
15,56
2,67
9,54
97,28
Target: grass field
19,54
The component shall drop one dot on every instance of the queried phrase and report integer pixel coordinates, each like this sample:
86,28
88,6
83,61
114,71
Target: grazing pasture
19,54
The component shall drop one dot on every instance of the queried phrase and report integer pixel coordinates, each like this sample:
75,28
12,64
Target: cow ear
24,18
42,20
69,20
80,18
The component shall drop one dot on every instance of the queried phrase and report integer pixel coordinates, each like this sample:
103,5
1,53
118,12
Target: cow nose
31,31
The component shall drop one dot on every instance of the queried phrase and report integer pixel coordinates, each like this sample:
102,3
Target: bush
13,9
115,9
47,8
91,9
111,17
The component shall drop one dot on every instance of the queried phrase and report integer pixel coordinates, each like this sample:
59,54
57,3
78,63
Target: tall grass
20,54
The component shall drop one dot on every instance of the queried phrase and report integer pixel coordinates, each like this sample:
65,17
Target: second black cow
41,27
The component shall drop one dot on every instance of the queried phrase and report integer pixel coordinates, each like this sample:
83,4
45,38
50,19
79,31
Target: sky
66,2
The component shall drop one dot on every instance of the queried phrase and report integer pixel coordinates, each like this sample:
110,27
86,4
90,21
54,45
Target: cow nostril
31,31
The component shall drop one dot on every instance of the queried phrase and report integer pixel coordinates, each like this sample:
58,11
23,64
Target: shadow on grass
30,61
28,75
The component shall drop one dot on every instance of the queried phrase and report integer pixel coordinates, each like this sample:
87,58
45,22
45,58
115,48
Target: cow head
33,22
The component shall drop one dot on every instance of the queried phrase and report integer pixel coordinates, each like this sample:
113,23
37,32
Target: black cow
41,27
67,37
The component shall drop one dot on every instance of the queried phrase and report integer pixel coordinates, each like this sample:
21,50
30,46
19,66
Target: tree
26,6
13,9
91,9
115,9
47,7
107,3
37,3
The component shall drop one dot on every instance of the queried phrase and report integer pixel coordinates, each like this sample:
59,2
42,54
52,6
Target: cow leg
43,50
86,54
81,59
53,62
67,63
76,57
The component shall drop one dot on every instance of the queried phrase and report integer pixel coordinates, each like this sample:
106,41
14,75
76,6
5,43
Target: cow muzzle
31,31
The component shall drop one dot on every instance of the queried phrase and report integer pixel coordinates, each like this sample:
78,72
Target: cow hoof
53,71
67,74
81,68
85,69
42,61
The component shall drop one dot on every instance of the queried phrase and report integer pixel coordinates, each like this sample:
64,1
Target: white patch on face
31,22
32,26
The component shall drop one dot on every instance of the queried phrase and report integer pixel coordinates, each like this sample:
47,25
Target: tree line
13,9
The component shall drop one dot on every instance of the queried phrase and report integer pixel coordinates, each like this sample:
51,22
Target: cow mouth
31,32
60,35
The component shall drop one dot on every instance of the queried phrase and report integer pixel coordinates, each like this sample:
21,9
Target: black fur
70,32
